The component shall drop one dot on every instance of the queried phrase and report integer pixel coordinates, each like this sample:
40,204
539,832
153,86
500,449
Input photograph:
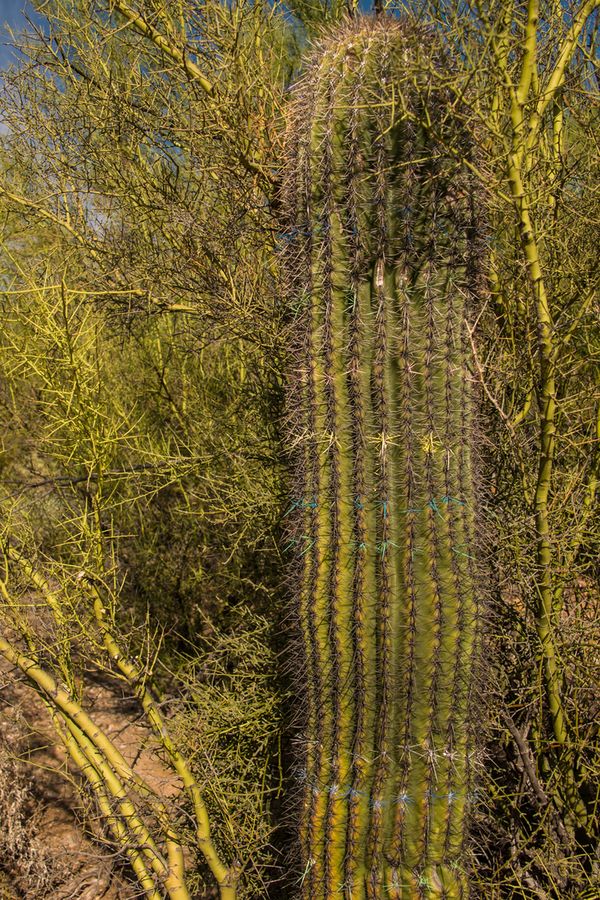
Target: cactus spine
377,253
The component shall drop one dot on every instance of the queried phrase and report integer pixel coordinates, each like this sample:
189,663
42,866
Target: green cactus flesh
378,257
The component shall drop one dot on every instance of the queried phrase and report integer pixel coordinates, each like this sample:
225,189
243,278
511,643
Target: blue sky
10,12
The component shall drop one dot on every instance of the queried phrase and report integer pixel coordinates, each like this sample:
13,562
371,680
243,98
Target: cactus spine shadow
378,255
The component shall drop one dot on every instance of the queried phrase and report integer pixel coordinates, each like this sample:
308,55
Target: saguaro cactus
378,254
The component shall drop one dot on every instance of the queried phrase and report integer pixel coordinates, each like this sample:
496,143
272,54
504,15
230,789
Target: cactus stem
376,247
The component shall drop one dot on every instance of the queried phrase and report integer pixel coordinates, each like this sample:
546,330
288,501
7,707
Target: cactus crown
378,258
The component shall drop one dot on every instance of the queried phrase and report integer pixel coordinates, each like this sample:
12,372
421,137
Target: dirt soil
51,845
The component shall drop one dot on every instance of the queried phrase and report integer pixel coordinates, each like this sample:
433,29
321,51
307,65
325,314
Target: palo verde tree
87,432
161,220
139,358
533,101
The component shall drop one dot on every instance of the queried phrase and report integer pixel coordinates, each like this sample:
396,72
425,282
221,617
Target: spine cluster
378,255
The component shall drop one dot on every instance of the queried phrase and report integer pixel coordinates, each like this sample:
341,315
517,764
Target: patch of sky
13,16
